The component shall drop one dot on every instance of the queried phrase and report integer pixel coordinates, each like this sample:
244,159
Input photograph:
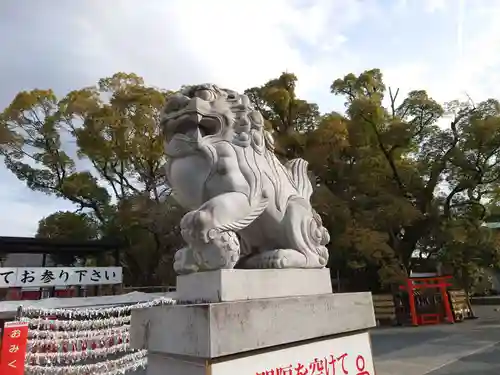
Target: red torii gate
413,283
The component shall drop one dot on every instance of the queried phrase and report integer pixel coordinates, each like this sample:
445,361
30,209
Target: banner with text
26,277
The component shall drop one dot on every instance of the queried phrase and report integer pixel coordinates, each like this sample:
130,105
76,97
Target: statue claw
184,261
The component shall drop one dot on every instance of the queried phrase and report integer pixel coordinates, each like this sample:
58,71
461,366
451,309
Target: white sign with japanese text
337,356
25,277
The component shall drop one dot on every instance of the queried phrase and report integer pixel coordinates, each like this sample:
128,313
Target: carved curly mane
222,162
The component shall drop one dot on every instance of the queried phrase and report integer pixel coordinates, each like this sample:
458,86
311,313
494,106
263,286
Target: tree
68,226
387,175
288,117
469,250
152,234
389,180
118,158
5,135
432,175
339,154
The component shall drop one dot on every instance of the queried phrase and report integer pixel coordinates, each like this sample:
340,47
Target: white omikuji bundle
61,347
94,313
122,365
76,325
41,335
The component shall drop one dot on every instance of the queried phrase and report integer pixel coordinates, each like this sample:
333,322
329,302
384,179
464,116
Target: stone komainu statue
247,209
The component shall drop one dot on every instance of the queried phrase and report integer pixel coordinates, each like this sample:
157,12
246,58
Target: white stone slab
219,329
342,355
235,284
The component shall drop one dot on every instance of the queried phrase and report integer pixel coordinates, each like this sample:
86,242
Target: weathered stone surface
219,329
159,364
221,165
235,285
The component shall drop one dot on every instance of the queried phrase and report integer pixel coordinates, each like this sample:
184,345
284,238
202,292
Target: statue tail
298,171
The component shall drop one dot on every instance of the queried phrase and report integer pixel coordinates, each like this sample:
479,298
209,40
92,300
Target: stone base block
236,285
345,354
228,328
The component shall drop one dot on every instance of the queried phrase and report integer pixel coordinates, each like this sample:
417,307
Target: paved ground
471,347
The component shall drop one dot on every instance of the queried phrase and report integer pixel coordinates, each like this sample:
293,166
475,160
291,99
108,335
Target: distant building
25,260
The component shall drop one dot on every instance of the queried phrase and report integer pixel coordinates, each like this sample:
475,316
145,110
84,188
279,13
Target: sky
449,47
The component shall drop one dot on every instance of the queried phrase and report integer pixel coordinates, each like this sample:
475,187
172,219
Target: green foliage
151,230
71,226
101,148
391,181
287,117
393,175
469,249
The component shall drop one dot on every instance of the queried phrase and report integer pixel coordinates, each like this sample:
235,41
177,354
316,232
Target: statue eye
176,103
207,95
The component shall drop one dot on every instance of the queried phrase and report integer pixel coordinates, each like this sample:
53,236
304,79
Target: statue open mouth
192,126
185,132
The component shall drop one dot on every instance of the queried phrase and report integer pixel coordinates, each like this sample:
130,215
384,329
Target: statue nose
198,105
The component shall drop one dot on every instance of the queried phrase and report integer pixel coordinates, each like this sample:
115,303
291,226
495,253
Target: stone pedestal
269,322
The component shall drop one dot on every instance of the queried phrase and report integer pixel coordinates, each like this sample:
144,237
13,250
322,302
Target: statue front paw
221,251
185,262
195,226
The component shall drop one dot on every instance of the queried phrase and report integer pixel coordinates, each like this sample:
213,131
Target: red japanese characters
332,365
14,341
360,365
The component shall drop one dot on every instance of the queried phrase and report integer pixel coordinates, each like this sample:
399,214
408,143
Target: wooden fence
459,306
387,313
385,309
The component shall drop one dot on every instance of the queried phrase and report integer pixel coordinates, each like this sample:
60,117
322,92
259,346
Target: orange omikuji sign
13,352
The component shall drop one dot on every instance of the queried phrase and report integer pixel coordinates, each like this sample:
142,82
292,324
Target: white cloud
22,209
470,65
432,6
236,44
239,44
406,77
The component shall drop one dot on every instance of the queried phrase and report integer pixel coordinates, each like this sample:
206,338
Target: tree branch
440,165
393,101
387,155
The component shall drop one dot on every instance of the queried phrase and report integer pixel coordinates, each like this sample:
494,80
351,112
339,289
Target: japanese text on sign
14,340
331,365
345,355
58,276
